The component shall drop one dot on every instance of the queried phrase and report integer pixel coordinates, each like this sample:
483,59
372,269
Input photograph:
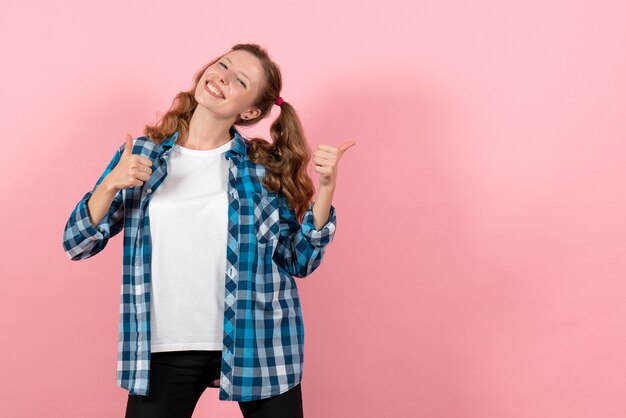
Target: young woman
216,227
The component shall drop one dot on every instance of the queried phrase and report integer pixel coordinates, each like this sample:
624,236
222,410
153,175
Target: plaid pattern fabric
263,342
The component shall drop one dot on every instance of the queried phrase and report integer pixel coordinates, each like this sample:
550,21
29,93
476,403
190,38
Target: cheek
250,95
242,96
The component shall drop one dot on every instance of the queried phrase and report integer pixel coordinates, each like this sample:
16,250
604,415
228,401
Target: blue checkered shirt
263,340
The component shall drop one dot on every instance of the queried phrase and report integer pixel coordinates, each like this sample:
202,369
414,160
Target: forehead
246,63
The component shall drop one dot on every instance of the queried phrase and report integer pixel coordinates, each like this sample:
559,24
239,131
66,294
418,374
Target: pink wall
478,267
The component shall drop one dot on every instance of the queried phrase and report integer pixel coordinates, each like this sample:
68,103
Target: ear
251,114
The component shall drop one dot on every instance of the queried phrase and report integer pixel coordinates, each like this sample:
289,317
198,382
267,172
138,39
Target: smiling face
228,87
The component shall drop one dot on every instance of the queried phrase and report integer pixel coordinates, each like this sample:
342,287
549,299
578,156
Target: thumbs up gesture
132,170
326,158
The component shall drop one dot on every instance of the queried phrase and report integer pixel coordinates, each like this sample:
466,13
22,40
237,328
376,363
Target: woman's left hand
326,158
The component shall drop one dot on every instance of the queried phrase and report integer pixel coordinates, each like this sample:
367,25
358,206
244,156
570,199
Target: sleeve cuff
325,235
88,230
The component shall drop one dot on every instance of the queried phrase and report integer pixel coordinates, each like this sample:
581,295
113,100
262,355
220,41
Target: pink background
478,267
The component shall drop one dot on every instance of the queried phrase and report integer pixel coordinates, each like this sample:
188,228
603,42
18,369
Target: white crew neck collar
204,152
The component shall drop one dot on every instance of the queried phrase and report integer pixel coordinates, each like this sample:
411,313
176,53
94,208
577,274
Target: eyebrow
242,73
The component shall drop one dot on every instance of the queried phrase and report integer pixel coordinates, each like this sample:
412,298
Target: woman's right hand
132,170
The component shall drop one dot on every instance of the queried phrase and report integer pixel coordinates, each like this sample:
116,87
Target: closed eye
224,65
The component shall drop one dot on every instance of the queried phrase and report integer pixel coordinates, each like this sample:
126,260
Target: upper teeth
214,90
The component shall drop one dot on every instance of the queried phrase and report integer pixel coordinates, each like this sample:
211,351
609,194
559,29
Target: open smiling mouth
213,90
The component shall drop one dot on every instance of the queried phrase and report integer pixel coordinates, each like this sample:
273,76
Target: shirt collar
240,146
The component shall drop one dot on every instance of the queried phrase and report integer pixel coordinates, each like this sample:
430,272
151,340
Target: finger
142,175
321,160
328,148
144,161
322,170
343,147
129,145
140,168
325,154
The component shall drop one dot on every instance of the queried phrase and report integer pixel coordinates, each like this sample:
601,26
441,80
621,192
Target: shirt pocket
266,220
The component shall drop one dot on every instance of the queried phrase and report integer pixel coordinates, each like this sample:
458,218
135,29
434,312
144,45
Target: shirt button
149,191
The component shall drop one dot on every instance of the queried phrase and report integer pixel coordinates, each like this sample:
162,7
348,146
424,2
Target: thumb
343,147
129,145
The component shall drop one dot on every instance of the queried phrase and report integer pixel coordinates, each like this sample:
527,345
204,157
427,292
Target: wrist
108,186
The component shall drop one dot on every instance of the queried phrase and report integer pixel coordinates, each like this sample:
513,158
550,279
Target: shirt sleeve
301,247
82,239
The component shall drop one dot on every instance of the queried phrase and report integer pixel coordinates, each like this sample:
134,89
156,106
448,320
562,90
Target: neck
206,131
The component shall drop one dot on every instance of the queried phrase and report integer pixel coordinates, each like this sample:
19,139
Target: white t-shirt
188,229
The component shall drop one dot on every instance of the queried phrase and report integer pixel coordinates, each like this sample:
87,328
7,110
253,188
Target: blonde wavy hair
286,158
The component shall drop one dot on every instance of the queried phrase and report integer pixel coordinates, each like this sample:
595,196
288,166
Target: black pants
178,379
